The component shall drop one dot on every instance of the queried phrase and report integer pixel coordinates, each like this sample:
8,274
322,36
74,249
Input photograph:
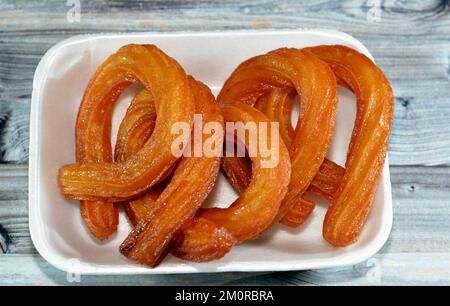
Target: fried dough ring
238,172
277,106
258,205
252,213
298,213
327,180
367,150
100,217
325,183
180,200
200,239
168,83
136,127
93,144
134,131
315,83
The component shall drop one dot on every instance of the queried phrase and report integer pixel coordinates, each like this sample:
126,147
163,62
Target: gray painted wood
421,207
388,269
411,43
34,270
417,251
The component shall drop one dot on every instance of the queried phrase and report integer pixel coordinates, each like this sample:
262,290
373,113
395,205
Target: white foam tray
55,223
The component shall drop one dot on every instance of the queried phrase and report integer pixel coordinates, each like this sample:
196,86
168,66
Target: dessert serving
176,136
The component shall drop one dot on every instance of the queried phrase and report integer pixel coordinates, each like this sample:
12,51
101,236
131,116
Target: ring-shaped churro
169,85
314,81
368,145
181,198
277,106
258,205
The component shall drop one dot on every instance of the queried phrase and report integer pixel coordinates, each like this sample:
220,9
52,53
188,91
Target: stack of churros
176,136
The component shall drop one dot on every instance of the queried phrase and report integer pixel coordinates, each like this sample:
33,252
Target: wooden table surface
410,41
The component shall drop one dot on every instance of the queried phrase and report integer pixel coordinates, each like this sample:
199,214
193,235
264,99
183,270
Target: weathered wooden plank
411,42
421,199
34,270
14,233
396,18
421,209
13,182
14,130
387,269
382,269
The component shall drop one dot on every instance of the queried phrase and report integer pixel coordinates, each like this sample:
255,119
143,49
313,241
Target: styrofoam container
55,223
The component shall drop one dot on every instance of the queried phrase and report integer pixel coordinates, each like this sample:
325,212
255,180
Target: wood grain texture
34,270
389,269
382,269
410,41
421,209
